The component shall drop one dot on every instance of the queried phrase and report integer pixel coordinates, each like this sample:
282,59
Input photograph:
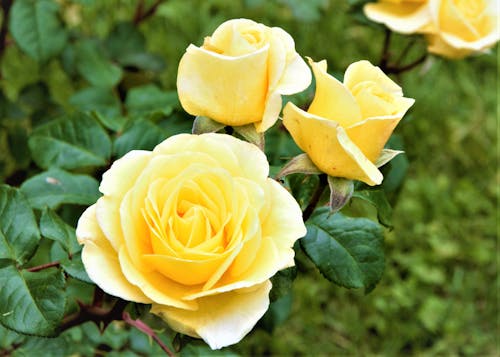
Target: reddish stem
315,197
44,266
141,326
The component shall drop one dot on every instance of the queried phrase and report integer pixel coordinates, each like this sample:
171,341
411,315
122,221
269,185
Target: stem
95,314
408,67
141,15
384,57
44,266
323,182
405,51
5,5
141,326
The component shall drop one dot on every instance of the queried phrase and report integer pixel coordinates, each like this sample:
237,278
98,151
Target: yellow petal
332,99
404,18
101,260
230,90
271,112
329,147
438,46
371,135
220,320
155,286
114,185
364,71
282,221
239,157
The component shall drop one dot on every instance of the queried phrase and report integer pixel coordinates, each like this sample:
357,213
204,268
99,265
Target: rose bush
238,75
195,228
453,28
347,124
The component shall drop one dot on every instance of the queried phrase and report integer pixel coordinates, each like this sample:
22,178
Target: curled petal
101,260
220,320
332,99
329,147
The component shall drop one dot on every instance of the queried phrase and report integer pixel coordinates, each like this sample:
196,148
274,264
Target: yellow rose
195,228
403,16
462,27
348,124
239,74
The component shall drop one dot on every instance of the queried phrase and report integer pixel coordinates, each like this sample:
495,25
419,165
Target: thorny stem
44,266
141,326
320,188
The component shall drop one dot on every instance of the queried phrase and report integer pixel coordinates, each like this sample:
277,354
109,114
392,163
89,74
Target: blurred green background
439,293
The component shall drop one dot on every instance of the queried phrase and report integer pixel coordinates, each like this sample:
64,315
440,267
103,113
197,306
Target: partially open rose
238,75
462,27
195,228
348,124
454,28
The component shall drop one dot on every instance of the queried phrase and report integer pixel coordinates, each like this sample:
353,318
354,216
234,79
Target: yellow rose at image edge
245,226
463,28
238,75
348,124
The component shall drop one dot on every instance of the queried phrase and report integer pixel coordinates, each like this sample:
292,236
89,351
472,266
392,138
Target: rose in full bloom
403,16
238,75
463,27
347,125
195,228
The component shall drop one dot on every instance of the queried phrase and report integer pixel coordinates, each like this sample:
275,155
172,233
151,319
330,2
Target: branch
384,56
141,15
44,266
315,197
94,313
141,326
408,67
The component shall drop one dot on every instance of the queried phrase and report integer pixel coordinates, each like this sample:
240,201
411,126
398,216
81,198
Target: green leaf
282,283
74,267
150,99
124,39
379,200
138,134
54,187
347,251
70,142
35,26
277,313
54,228
302,187
32,303
19,235
98,99
127,46
95,67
